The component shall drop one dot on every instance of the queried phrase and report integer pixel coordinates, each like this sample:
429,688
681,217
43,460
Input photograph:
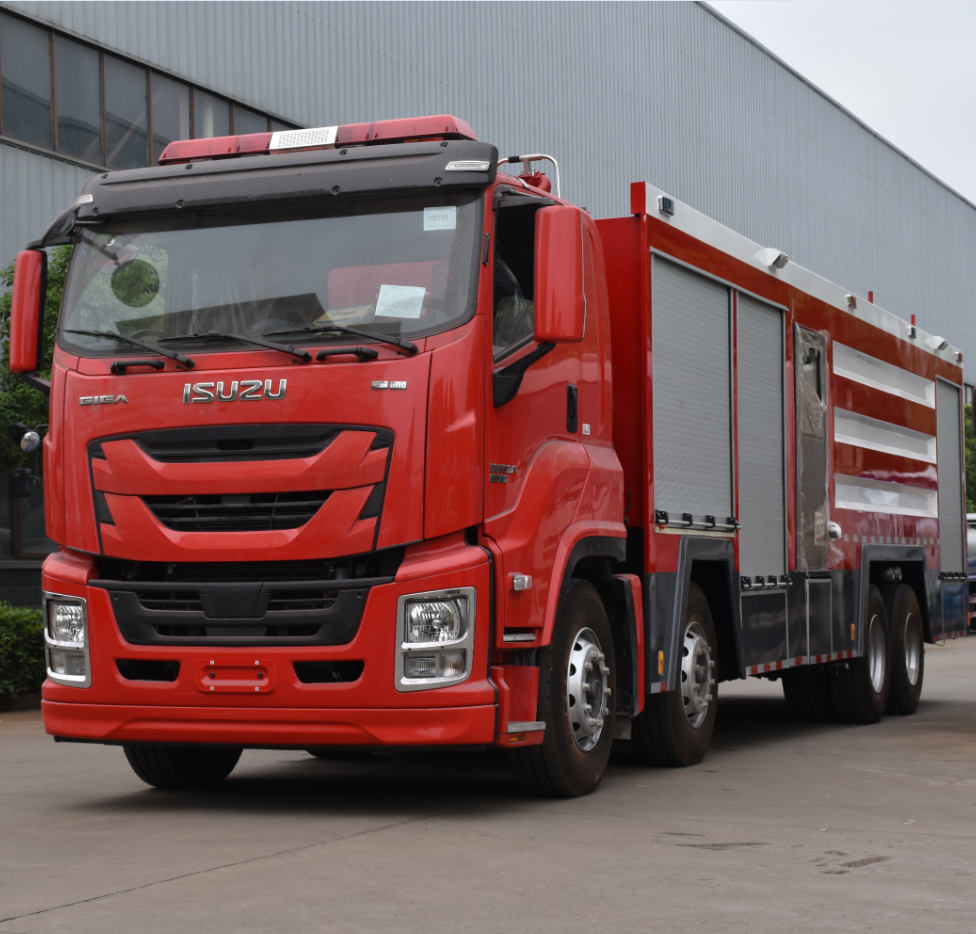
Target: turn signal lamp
410,130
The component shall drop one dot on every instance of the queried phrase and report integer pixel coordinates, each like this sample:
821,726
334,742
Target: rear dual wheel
907,644
859,689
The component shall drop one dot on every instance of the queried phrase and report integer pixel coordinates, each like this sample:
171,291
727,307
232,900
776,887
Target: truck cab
330,421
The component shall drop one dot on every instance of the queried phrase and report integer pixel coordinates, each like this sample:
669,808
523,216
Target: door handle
572,409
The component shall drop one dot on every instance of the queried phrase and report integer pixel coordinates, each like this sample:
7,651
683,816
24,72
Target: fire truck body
510,475
786,490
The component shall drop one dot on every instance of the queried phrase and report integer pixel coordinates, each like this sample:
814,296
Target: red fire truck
357,441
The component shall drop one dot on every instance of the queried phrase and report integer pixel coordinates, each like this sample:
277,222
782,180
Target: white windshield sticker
440,218
400,301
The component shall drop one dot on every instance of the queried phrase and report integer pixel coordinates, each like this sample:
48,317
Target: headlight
436,638
434,621
66,640
66,623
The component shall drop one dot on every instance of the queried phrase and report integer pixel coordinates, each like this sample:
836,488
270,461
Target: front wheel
576,701
181,767
675,728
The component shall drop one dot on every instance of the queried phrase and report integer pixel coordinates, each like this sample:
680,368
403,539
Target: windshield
400,266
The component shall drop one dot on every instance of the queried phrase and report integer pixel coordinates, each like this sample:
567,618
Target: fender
666,606
918,576
582,540
530,534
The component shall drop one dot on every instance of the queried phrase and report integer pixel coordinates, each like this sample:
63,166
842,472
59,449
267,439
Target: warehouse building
670,93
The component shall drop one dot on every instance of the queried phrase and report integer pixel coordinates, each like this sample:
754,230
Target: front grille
317,602
248,512
170,602
236,443
279,601
311,599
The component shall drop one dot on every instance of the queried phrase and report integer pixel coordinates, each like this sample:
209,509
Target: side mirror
560,307
27,311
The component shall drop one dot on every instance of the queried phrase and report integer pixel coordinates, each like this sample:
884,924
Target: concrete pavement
783,827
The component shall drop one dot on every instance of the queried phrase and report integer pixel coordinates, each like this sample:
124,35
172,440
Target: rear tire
807,695
859,690
181,767
907,650
675,728
576,749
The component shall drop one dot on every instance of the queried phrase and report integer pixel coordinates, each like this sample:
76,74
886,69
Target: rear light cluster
413,129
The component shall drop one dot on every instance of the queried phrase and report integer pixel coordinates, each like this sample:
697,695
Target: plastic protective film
812,504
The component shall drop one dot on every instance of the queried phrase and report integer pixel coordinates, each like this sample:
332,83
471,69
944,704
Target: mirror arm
38,382
505,383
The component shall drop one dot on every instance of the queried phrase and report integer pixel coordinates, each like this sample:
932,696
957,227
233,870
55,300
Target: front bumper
279,709
280,727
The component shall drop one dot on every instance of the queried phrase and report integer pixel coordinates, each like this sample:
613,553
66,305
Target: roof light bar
413,129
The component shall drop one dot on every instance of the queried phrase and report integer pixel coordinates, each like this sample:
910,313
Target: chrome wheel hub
913,648
876,653
587,689
696,675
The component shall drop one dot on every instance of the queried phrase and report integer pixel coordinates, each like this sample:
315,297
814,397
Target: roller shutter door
949,453
762,510
691,404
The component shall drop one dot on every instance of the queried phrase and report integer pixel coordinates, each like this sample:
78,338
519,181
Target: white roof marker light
300,139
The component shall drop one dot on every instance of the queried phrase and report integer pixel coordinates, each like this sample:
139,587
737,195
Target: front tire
675,728
181,767
907,650
577,683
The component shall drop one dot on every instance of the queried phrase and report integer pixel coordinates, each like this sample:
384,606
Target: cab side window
513,300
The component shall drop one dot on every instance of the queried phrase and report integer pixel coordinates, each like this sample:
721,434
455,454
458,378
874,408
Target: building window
78,83
249,121
103,109
170,112
22,533
126,120
211,115
25,60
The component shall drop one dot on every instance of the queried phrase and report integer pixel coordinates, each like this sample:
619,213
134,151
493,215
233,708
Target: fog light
420,666
71,664
67,623
434,620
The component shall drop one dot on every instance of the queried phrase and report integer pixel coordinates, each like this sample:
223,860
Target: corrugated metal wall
33,188
664,92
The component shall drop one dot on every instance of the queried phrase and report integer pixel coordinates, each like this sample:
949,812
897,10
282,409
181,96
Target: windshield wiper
408,348
172,354
302,355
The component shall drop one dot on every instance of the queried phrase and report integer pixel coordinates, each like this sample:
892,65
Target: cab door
536,467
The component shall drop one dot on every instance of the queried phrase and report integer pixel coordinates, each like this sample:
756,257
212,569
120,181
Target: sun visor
295,176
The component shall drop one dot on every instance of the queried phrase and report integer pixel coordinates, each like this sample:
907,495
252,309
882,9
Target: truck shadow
400,784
